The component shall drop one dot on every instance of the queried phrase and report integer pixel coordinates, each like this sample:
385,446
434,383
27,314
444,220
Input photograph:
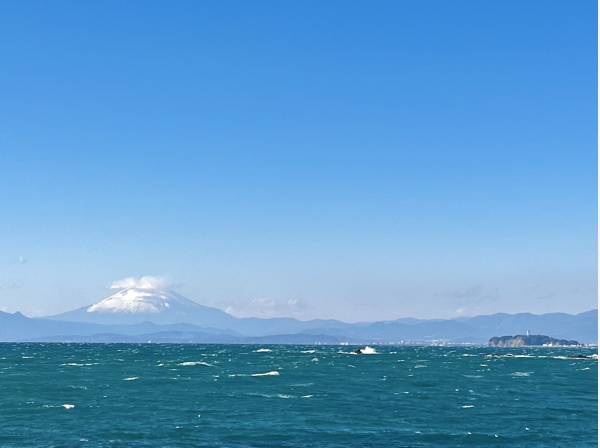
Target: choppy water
120,395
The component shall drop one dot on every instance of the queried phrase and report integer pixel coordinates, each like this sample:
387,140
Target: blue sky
317,159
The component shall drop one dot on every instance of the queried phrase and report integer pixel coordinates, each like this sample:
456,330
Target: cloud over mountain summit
143,282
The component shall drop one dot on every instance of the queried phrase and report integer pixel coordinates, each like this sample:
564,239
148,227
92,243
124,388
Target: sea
184,395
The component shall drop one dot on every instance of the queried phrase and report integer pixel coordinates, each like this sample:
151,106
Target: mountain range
162,315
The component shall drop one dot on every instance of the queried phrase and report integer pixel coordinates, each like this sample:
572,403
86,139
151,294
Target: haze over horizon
270,164
262,308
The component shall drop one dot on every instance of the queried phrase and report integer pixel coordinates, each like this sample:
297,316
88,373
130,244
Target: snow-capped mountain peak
148,299
137,300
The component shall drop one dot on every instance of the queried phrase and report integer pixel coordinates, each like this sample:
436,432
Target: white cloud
460,311
144,282
267,307
10,284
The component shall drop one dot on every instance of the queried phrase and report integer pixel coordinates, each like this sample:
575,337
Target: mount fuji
136,304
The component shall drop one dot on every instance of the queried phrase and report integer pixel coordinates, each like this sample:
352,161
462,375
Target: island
522,340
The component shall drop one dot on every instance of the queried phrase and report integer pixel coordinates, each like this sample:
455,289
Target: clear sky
358,160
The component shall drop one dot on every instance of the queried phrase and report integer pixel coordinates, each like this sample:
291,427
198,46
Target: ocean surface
126,395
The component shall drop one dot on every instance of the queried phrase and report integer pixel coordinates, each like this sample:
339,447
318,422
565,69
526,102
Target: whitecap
263,350
308,351
68,406
271,373
195,363
367,351
307,396
521,374
131,378
467,406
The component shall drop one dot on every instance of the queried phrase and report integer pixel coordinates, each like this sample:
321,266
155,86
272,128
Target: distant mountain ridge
161,315
582,327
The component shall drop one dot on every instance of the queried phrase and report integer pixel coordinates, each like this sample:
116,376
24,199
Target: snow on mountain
139,300
147,301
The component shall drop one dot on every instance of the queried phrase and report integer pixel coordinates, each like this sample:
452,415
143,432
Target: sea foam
195,363
271,373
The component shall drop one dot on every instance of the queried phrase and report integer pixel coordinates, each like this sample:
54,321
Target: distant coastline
203,325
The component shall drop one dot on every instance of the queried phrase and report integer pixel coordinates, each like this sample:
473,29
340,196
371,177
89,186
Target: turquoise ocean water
120,395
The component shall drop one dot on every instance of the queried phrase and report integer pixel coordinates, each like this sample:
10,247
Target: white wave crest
79,364
195,363
368,351
271,373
